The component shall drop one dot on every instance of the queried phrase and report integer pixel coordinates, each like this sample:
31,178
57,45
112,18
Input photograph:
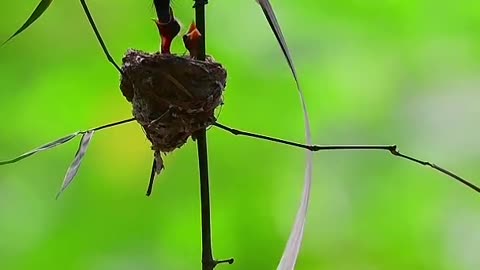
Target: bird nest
173,97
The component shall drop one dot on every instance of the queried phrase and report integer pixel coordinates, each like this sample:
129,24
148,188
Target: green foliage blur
374,72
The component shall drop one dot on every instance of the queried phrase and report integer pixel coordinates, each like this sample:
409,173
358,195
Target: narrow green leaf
42,148
277,31
39,10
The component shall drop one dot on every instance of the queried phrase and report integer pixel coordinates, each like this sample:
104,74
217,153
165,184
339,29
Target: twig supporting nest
172,96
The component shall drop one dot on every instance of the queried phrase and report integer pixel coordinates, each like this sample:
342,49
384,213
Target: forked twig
393,149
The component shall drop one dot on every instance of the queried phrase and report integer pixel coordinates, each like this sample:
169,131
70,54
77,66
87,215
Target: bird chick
168,29
192,40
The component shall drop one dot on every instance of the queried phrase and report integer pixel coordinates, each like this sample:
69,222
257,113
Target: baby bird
192,40
169,28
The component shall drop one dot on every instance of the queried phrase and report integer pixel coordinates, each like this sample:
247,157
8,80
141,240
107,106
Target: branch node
229,261
394,150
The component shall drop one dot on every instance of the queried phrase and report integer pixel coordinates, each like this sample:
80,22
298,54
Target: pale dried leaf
73,169
292,249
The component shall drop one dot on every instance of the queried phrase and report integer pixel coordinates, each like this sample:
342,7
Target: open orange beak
168,31
192,40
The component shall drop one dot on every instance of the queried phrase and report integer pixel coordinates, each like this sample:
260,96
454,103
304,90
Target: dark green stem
208,263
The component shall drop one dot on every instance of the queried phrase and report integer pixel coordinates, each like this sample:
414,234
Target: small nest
172,96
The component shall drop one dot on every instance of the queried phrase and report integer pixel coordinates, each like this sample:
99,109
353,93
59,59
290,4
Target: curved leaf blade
277,31
290,254
42,148
39,10
75,166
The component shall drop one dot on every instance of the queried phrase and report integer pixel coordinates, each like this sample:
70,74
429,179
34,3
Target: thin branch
208,263
152,177
114,124
390,148
61,141
200,22
99,37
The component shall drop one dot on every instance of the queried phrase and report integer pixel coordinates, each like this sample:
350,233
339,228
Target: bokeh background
374,72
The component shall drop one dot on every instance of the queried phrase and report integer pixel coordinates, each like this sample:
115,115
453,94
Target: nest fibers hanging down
172,96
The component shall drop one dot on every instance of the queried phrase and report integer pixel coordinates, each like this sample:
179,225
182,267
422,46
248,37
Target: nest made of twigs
172,96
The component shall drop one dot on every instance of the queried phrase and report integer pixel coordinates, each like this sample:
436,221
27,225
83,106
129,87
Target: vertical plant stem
208,263
200,21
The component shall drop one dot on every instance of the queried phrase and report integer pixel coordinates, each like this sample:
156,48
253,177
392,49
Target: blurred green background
374,72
